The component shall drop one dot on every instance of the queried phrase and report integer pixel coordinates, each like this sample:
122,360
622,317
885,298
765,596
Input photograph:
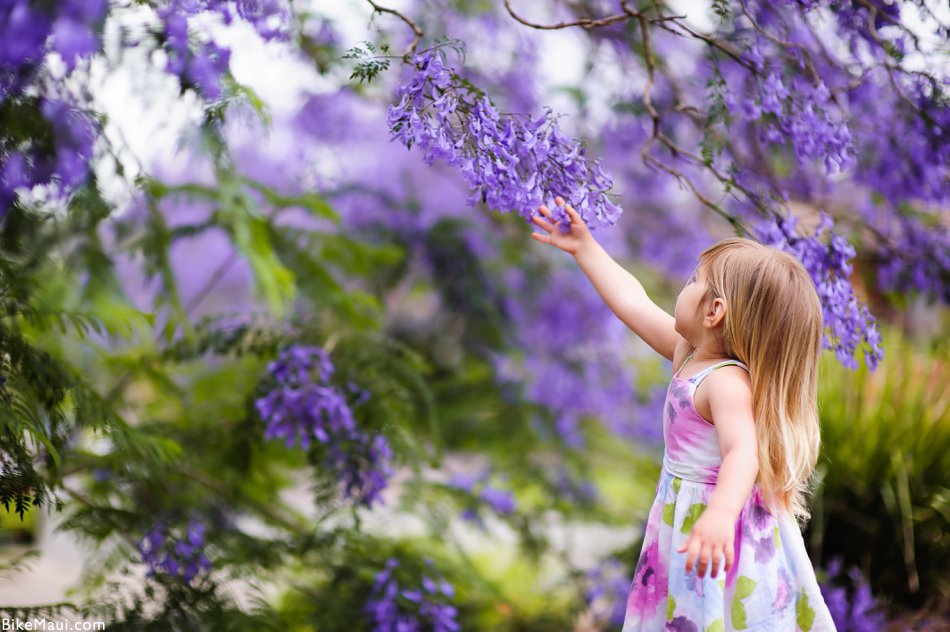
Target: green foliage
883,503
717,124
369,64
722,10
401,401
462,281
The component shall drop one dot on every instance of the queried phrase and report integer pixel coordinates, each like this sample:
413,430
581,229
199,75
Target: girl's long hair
773,324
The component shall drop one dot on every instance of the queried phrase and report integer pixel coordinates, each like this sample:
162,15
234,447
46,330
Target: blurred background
265,366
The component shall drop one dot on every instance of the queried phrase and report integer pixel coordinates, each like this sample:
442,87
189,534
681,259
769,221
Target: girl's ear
715,313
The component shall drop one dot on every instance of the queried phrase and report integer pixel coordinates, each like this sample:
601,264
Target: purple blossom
326,35
849,599
573,378
607,591
175,551
827,257
205,64
805,118
29,30
581,492
304,406
206,68
394,609
68,164
466,482
73,39
268,17
509,162
919,260
501,501
75,136
23,30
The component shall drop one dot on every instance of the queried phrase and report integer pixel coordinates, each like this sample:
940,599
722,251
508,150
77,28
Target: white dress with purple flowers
771,585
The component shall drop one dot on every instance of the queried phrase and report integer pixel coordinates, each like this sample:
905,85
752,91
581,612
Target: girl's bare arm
622,292
713,536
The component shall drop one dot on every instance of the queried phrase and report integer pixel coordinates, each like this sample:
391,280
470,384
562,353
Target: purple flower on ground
608,588
849,599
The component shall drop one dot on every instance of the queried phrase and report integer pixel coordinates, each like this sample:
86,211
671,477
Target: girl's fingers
543,224
703,560
542,238
571,213
716,559
693,552
730,556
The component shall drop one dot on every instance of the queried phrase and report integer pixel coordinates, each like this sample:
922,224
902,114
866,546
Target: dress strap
685,360
702,375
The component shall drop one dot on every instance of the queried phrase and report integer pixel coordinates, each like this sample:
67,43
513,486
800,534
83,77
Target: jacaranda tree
338,299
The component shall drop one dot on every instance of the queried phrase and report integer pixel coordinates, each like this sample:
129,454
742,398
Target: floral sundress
771,585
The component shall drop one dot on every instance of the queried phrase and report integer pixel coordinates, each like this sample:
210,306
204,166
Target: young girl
722,549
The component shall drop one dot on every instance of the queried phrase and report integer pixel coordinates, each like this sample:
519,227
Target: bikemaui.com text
50,624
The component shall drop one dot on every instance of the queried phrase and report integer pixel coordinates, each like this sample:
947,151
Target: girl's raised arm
622,292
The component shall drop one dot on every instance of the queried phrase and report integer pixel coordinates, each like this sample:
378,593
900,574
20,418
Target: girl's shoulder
727,390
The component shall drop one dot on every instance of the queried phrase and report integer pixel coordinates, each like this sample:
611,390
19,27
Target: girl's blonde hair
773,324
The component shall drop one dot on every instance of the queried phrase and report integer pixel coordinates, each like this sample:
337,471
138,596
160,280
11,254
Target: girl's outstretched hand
568,242
711,540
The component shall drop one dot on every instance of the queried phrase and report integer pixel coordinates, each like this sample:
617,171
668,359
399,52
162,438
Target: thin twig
417,32
585,23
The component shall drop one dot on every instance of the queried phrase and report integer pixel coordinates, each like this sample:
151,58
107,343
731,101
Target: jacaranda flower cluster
804,116
204,65
395,609
510,162
166,550
501,501
854,611
304,405
847,321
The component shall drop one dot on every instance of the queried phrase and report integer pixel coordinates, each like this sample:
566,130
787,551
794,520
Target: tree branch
417,32
586,23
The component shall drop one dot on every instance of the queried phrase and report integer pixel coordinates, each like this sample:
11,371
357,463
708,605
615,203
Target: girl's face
689,305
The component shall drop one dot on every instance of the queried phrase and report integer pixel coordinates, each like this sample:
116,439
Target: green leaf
313,202
273,281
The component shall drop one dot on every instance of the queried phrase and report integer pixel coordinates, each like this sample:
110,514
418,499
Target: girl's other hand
570,242
712,538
